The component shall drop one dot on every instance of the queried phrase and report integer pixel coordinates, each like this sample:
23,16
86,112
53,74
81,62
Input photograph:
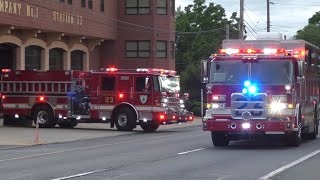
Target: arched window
33,57
77,58
56,57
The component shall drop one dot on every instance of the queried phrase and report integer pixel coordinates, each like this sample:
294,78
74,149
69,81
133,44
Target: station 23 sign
15,8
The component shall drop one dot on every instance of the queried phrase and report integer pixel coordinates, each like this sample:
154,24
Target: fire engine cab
124,98
264,87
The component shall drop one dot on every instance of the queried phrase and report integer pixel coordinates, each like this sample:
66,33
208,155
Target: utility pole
227,32
241,19
268,15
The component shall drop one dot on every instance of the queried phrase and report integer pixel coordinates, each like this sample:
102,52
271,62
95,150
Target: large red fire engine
125,98
262,87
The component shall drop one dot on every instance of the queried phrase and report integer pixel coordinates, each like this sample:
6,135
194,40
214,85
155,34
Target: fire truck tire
71,123
219,139
125,119
150,127
45,116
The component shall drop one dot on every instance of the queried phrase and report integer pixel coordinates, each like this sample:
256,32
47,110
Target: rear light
6,70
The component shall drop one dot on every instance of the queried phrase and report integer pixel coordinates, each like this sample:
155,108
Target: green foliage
315,19
207,22
311,32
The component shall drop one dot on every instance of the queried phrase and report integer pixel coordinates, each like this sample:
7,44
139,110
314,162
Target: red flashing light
215,98
190,118
120,95
112,69
6,70
173,117
162,117
3,97
41,98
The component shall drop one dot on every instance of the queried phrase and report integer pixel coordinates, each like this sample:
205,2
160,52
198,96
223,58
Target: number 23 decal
109,100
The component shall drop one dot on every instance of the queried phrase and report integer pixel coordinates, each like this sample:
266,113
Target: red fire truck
264,87
125,98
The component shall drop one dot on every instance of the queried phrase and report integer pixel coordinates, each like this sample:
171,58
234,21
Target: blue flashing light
244,91
247,83
252,89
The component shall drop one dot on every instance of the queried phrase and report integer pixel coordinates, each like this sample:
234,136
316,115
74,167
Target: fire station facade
86,34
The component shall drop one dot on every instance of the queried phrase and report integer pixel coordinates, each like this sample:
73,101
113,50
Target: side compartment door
107,97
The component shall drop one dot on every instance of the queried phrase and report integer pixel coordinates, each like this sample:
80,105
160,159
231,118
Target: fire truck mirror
146,84
301,67
204,71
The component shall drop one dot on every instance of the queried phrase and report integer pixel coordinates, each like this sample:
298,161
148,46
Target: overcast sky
286,16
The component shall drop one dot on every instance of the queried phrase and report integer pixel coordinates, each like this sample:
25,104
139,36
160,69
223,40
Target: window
83,3
56,59
90,4
172,48
172,7
33,57
102,5
161,49
140,84
137,7
69,1
108,83
77,60
162,7
136,49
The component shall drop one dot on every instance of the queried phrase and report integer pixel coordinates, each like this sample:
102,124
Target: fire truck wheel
219,139
125,119
71,123
150,127
44,116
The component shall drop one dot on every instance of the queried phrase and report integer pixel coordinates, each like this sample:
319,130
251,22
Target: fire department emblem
143,98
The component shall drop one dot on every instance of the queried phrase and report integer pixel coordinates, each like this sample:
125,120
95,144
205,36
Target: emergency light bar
162,71
266,51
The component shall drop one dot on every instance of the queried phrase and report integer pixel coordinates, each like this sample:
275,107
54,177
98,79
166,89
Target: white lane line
283,168
186,152
81,174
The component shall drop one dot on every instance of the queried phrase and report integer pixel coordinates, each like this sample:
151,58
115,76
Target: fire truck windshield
169,83
262,72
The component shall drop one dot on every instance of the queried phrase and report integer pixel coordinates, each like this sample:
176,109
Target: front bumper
249,127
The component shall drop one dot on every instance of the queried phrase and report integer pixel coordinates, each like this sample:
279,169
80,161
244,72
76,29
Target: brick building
86,34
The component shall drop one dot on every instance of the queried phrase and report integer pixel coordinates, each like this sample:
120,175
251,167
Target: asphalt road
182,153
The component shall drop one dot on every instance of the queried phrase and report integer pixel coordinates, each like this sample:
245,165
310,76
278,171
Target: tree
200,31
311,32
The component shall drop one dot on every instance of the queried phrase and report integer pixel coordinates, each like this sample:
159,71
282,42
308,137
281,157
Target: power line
250,27
289,4
256,14
252,21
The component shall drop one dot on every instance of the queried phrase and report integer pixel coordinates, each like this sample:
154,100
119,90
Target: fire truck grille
249,107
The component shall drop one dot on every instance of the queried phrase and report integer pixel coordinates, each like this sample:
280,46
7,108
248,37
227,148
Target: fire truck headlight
277,106
164,105
287,87
182,106
181,101
246,125
165,100
215,106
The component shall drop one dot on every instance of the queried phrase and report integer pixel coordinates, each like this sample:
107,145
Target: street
179,153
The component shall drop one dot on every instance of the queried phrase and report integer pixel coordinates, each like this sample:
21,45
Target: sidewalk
25,136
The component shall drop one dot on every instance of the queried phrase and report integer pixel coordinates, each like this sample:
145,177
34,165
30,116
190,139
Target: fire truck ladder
36,87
